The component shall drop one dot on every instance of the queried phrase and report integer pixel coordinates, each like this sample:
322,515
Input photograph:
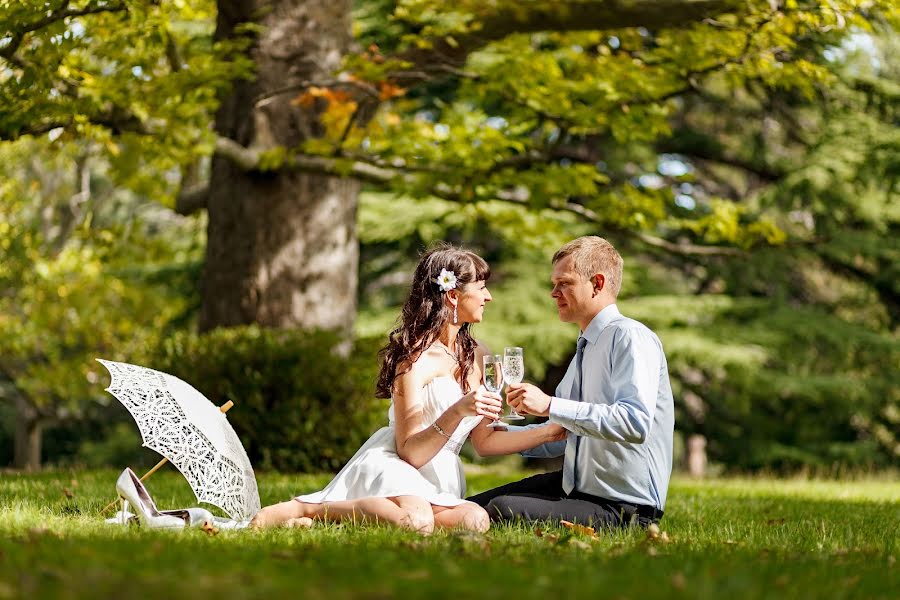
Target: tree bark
282,248
28,437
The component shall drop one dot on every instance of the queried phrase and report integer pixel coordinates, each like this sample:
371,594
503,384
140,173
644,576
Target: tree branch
552,15
58,14
249,159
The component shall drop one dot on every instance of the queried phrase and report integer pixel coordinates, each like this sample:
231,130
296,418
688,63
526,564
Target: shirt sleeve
548,450
633,386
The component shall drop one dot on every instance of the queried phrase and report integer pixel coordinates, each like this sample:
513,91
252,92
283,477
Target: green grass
729,538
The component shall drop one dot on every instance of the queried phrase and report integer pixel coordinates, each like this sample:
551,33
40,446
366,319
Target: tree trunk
28,437
282,249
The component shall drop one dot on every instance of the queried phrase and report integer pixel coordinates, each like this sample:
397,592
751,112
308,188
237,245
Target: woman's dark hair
425,312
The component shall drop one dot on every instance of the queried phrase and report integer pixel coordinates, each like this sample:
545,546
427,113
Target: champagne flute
513,372
493,377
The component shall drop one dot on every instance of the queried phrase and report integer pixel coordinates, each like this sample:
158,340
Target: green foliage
780,118
517,243
86,273
300,403
776,386
138,77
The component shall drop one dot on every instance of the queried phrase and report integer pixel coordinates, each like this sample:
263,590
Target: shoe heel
124,513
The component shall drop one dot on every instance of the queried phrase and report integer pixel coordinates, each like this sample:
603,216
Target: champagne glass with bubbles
513,372
493,376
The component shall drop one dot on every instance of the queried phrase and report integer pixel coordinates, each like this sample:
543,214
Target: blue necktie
568,479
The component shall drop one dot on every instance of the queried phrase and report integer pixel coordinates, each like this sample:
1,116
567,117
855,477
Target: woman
409,473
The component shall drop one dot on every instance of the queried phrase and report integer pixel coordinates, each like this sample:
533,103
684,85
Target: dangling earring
455,315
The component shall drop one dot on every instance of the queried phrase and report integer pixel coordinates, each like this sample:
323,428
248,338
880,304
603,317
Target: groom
615,399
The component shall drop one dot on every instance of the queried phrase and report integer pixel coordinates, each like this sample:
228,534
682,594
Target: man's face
573,293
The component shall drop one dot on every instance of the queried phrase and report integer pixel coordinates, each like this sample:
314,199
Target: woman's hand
480,402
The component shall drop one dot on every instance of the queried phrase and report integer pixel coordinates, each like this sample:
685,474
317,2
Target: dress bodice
437,396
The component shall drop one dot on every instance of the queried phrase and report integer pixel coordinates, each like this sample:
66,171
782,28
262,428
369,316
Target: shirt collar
599,323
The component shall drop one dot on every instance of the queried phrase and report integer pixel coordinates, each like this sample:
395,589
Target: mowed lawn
727,538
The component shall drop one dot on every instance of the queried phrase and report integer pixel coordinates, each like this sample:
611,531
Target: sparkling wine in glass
493,372
493,376
513,372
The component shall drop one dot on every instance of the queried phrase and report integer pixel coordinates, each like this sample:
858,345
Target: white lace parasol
181,424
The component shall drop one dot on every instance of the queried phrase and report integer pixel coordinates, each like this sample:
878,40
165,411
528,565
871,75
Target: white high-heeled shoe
133,492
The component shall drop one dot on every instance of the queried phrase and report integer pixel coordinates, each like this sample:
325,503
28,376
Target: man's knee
503,508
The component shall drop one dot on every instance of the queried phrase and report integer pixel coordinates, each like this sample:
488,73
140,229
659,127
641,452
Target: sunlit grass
746,538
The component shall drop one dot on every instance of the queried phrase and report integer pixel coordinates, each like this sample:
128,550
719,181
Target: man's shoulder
623,327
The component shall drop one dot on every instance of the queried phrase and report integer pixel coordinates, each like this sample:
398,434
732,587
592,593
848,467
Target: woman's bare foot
278,514
300,522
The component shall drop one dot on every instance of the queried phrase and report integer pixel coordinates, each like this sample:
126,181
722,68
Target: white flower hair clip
446,280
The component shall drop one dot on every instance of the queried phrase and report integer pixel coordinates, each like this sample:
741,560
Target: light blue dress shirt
626,415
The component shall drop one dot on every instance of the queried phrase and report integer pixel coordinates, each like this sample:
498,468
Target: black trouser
541,498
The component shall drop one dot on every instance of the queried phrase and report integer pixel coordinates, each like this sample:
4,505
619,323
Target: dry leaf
653,531
538,532
679,581
386,91
68,493
308,98
209,529
581,529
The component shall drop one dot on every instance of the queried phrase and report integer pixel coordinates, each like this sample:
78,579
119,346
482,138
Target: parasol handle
224,409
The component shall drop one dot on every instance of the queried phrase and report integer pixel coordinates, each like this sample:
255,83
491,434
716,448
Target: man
615,399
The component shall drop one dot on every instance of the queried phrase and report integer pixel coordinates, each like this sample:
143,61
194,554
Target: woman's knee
476,519
418,514
420,521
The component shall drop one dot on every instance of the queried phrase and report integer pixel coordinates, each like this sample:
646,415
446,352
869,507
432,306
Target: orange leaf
389,90
578,528
308,98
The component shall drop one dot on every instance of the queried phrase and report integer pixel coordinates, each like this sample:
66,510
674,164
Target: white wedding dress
377,470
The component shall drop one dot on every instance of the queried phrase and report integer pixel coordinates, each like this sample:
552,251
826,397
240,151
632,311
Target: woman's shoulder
429,365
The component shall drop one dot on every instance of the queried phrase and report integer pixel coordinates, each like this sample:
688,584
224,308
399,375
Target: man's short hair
592,254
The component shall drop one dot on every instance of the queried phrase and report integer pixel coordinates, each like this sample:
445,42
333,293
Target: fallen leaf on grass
776,521
68,493
580,529
679,581
209,529
655,536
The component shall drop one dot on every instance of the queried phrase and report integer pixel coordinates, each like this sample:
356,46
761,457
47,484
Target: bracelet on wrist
451,444
440,430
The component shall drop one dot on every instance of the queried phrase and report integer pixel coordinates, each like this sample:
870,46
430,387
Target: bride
409,473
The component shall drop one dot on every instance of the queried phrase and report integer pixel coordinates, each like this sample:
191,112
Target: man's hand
528,399
555,433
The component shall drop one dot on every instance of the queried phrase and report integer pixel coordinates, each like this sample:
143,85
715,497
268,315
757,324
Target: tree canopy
744,153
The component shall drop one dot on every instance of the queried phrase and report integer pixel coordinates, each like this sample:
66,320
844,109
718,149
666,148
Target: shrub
300,404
